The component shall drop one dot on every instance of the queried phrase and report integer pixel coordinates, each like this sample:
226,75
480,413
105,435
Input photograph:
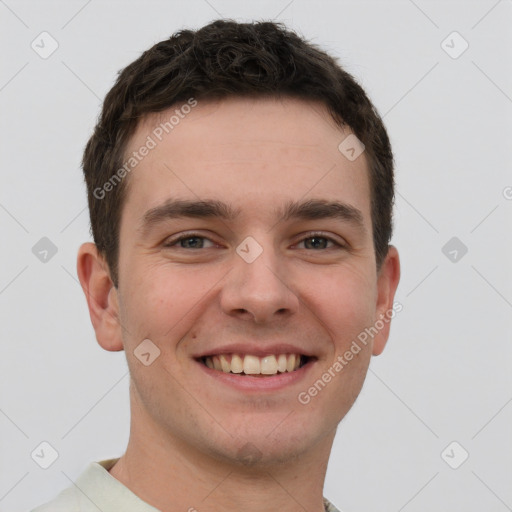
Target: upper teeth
254,365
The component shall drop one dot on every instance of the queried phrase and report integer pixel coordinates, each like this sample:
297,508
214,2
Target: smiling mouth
266,366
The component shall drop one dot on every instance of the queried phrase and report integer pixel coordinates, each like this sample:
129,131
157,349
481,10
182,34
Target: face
246,258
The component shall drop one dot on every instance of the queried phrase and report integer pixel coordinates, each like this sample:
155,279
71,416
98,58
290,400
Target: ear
101,296
387,282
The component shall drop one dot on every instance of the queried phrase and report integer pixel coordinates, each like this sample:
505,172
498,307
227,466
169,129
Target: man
240,189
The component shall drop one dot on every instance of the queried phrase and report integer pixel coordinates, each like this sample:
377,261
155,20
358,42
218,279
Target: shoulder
80,496
329,507
66,501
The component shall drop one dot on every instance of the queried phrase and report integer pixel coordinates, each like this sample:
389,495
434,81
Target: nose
259,291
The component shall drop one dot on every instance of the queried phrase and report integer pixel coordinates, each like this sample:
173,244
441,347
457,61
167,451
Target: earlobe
387,283
101,296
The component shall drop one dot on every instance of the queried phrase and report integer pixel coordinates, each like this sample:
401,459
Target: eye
319,242
190,241
316,241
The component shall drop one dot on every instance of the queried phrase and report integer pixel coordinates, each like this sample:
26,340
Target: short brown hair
223,59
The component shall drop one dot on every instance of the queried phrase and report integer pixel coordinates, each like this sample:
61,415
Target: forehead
254,152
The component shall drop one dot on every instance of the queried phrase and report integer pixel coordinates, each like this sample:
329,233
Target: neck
172,476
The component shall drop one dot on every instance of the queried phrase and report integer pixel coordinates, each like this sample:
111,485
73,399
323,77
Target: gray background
446,373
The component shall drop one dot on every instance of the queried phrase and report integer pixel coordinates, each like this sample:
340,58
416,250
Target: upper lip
254,349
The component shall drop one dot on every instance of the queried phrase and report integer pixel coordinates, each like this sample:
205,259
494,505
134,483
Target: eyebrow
312,209
177,208
322,209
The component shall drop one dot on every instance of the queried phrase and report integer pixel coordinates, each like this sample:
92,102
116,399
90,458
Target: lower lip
259,384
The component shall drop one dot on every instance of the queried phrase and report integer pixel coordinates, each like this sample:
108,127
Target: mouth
241,365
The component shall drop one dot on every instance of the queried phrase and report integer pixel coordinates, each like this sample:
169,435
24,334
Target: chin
256,448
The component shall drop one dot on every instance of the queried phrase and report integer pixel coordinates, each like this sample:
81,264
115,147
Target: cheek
160,301
345,301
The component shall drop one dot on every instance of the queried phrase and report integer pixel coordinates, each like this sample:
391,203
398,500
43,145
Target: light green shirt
96,490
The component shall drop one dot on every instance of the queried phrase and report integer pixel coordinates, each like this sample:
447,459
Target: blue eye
194,241
319,242
190,241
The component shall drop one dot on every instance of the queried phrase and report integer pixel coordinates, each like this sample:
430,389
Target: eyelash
176,241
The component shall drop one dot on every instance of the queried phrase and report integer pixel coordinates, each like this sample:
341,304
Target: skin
192,436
